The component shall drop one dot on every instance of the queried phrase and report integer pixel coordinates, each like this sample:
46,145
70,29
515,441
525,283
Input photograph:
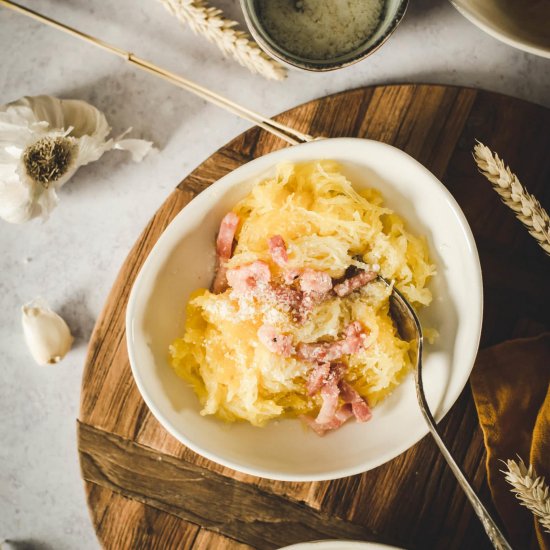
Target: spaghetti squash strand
307,218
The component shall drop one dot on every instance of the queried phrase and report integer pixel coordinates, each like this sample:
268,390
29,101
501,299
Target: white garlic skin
45,119
47,335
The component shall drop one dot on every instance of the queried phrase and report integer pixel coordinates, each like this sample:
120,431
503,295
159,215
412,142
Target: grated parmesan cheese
320,29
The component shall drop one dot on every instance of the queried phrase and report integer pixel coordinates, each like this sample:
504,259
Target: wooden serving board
146,490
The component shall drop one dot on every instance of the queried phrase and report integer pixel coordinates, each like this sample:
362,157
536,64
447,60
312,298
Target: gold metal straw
280,130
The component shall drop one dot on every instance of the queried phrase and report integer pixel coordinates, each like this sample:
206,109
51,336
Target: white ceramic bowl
519,23
392,14
183,260
339,545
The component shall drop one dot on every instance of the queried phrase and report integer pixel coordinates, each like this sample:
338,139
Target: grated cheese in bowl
320,29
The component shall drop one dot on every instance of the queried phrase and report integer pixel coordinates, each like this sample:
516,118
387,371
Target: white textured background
73,259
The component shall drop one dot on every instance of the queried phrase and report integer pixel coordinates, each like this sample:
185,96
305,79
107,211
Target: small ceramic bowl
393,12
523,24
339,545
183,260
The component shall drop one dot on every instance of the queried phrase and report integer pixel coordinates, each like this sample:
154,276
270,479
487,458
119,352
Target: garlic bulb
47,335
43,142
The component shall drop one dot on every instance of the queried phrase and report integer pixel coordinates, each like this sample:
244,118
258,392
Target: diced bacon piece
359,406
355,337
305,307
342,414
249,278
337,371
288,298
353,283
224,248
297,302
326,377
315,281
219,284
323,373
318,351
317,377
308,301
226,234
312,423
329,395
354,405
330,351
361,410
281,344
277,249
290,276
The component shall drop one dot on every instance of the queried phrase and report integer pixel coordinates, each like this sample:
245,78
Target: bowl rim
336,473
339,544
493,31
269,46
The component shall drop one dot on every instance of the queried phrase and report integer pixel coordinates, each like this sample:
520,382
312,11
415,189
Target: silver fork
410,329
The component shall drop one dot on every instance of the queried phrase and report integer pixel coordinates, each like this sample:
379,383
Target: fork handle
491,528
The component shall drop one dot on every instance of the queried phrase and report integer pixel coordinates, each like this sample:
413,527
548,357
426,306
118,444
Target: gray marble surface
73,258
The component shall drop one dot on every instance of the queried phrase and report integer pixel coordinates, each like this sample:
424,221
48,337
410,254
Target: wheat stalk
210,22
530,490
527,208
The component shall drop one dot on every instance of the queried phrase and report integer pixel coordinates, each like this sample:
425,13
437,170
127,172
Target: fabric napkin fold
511,388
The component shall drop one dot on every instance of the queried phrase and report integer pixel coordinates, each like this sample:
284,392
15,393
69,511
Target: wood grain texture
185,490
145,527
414,499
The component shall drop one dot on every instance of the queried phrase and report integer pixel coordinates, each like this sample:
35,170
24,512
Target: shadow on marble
29,544
159,30
80,319
152,108
419,9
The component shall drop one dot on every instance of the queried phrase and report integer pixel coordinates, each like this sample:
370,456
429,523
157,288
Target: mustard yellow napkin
511,387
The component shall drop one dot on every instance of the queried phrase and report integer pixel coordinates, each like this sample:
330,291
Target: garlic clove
15,202
47,335
43,142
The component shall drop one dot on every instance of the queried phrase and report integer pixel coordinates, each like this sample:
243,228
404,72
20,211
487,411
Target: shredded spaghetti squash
305,236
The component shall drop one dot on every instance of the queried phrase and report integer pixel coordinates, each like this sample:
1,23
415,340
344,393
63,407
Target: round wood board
146,490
